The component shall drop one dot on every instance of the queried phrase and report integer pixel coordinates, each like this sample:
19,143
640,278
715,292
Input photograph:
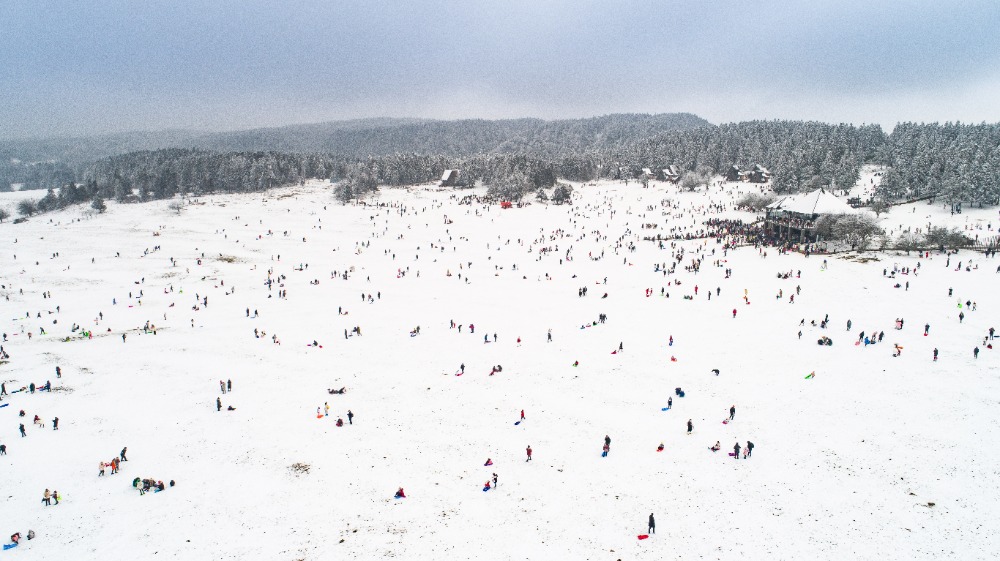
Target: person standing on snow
975,352
749,448
736,450
218,404
652,524
690,426
124,459
529,453
732,412
522,414
350,417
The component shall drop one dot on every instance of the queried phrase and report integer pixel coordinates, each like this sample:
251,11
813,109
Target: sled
725,421
517,423
614,352
486,489
4,405
604,454
673,359
643,536
810,375
319,416
857,343
665,409
459,373
732,455
7,546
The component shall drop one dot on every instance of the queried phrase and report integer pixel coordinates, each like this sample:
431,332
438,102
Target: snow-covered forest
958,162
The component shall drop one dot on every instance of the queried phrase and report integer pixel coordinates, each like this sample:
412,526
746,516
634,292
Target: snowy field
875,457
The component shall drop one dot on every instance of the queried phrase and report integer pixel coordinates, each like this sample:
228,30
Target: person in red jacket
529,453
734,313
400,494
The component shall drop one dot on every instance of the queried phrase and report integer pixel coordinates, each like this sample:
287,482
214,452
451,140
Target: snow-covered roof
776,205
447,174
819,201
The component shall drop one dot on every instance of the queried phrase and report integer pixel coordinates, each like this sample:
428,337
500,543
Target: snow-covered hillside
875,456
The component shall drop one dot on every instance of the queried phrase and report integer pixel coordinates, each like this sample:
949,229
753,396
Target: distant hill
368,137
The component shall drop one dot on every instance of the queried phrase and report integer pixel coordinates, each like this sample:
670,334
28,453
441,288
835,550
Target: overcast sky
72,67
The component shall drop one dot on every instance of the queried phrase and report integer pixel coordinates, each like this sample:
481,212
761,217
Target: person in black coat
732,412
652,524
690,426
736,450
749,448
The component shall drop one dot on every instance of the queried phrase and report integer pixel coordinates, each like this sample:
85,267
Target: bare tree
27,207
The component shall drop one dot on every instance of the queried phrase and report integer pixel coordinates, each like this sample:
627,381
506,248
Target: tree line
956,161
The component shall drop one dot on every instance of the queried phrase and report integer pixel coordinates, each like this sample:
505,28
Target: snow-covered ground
874,457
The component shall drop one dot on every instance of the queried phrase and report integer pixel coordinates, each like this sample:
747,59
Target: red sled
643,536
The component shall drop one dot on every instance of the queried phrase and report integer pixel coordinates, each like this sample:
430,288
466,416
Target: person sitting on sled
340,422
400,494
717,447
660,447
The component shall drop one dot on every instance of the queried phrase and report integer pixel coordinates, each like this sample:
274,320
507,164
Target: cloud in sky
84,67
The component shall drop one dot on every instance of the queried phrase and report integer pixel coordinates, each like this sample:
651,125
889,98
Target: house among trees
647,174
671,174
794,217
733,173
451,177
759,174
